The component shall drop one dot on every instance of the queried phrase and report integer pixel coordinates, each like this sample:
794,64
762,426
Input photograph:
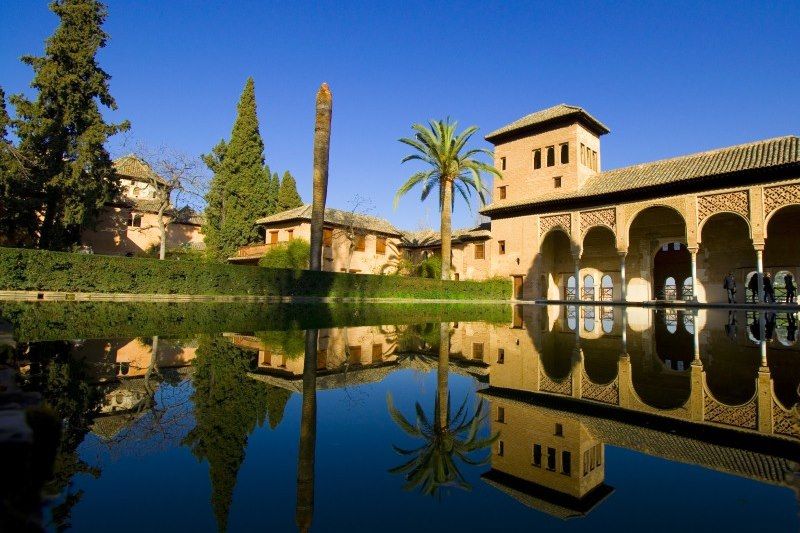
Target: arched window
588,287
588,318
687,292
569,289
688,323
564,153
551,156
671,320
779,284
607,319
572,317
606,288
670,289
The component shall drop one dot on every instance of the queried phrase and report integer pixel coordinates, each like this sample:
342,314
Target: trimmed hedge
57,320
40,270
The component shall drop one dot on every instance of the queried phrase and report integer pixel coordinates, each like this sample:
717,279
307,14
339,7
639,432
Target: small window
565,153
551,156
559,430
594,160
327,236
273,237
355,354
583,154
377,353
501,356
501,247
361,243
537,159
502,163
135,220
477,351
557,182
456,276
551,459
537,455
380,245
500,448
501,414
566,463
290,234
501,192
480,251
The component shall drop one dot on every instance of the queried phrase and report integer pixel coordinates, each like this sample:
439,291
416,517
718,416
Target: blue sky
667,78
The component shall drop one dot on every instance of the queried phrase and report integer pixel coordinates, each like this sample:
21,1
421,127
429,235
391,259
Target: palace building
564,228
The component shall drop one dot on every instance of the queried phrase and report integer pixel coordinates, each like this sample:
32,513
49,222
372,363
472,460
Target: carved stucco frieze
779,196
548,222
733,202
598,217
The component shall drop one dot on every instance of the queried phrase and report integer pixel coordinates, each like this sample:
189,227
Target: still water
204,417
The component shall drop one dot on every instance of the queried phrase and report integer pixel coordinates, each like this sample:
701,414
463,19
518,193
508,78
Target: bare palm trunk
446,227
304,510
442,389
322,142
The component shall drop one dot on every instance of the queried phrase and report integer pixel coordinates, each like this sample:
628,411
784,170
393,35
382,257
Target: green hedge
56,320
39,270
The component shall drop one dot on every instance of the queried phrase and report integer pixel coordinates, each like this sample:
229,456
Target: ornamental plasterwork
742,416
779,196
556,387
599,217
785,422
733,202
678,203
548,222
600,393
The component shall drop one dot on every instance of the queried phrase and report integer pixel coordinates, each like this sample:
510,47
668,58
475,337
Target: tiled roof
134,168
426,238
758,155
335,217
556,112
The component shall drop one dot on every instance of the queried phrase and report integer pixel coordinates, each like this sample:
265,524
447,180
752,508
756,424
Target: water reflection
546,391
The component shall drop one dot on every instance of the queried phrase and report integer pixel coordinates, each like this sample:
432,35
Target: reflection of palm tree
448,437
308,436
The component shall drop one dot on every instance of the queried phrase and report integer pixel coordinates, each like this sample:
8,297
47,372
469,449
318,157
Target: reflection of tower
547,461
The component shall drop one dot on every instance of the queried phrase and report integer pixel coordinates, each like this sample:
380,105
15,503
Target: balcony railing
253,250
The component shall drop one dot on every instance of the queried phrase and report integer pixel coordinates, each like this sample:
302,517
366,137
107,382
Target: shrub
294,254
39,270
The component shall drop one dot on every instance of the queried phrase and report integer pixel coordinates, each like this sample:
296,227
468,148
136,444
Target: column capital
622,253
693,249
758,246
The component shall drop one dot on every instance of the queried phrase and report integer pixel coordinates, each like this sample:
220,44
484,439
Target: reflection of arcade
690,388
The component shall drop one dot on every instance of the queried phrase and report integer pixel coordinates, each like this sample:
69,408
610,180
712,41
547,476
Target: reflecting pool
239,417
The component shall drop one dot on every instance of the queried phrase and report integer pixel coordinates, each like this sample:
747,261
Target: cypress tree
62,133
272,192
239,188
288,197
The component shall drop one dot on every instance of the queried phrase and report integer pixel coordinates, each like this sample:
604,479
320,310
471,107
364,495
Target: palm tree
452,166
432,466
322,144
304,509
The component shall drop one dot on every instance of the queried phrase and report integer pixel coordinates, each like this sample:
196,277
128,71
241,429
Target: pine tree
62,133
239,189
288,197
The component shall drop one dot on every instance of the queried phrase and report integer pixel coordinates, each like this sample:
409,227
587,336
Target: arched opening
781,251
750,287
572,317
599,257
606,288
607,319
656,251
588,318
569,290
725,246
687,289
556,264
671,263
588,287
785,286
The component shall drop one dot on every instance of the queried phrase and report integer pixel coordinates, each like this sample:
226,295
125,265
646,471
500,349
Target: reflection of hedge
38,270
33,321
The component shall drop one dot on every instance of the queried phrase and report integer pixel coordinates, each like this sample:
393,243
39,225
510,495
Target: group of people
768,296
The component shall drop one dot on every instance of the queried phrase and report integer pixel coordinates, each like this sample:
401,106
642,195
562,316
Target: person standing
769,290
791,289
730,286
753,286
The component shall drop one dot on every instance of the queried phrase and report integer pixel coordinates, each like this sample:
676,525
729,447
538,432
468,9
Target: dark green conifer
62,132
288,197
18,220
239,188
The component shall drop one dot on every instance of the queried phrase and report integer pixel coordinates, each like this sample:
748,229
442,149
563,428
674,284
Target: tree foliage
288,197
294,254
17,208
62,132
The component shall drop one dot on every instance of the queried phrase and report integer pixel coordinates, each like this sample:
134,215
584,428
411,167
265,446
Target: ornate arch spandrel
779,196
676,203
731,202
549,222
599,217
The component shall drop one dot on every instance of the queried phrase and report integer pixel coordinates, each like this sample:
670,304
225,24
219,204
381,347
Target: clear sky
667,78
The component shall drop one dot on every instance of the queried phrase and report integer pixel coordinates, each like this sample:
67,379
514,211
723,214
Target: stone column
622,277
577,259
624,331
760,271
693,252
696,343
